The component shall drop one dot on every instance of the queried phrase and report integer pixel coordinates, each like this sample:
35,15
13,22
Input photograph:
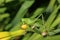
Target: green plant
39,23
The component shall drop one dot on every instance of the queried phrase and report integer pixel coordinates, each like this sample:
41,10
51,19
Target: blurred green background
41,16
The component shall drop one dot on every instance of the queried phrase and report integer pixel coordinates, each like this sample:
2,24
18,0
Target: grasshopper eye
24,26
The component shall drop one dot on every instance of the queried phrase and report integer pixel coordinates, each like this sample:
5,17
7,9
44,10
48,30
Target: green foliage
41,18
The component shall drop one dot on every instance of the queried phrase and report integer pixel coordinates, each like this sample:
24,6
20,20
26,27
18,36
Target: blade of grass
37,12
56,37
27,36
35,36
6,1
54,32
20,14
1,1
50,6
2,10
51,17
56,22
4,16
58,1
